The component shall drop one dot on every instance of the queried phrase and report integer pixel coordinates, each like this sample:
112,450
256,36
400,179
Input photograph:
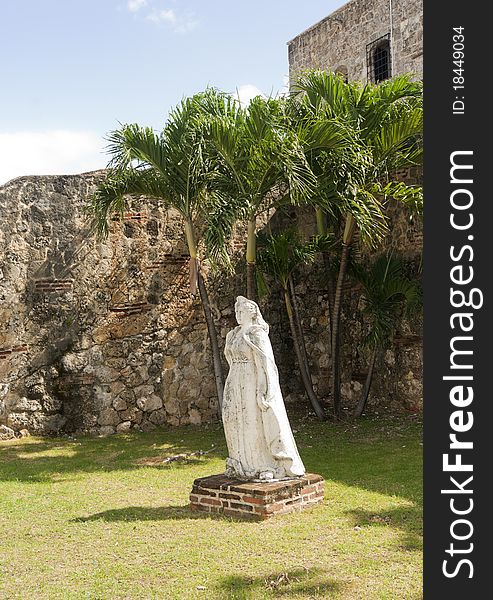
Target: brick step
255,501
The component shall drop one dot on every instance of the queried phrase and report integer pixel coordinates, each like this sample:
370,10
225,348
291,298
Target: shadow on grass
381,456
406,519
378,456
150,513
312,583
25,462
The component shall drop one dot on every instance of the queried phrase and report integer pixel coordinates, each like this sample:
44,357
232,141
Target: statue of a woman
260,442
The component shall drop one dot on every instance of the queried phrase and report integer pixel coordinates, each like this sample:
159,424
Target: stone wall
338,42
98,336
105,336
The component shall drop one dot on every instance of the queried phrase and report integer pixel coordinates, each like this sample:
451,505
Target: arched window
379,64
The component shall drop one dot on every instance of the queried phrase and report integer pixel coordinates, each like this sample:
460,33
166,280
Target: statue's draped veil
258,318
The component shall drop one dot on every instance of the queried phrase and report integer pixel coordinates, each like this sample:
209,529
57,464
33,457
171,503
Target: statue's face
245,312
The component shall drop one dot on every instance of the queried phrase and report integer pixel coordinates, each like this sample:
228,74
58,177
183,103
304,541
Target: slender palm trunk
319,411
322,230
196,278
336,316
366,390
251,253
211,328
321,224
192,250
296,315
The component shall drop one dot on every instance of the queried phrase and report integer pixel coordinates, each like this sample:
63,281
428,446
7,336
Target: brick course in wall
220,494
53,285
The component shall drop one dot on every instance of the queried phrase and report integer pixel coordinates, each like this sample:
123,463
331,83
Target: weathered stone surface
339,41
147,426
108,416
119,404
23,404
51,404
19,421
73,363
149,404
144,390
195,416
6,433
50,424
106,430
158,417
69,307
132,414
124,427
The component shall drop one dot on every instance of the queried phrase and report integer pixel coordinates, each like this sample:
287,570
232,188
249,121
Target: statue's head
248,313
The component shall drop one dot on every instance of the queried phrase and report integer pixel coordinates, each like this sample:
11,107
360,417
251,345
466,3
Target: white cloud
160,16
247,92
178,23
284,91
135,5
57,152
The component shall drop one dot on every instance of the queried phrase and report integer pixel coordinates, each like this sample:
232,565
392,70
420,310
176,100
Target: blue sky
73,69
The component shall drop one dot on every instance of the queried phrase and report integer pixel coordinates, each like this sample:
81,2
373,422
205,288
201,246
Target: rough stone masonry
96,336
341,41
105,336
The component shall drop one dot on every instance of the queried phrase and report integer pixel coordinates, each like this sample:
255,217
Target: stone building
365,40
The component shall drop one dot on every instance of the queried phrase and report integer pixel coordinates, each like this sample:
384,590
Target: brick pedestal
257,501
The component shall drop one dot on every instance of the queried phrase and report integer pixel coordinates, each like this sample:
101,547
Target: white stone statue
260,441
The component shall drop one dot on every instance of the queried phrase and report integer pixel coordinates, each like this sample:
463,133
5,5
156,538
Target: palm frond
281,253
410,195
109,197
387,293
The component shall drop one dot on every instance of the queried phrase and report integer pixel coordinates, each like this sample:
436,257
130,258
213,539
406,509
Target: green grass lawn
98,518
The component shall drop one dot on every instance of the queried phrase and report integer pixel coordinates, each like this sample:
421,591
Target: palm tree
387,292
322,136
386,123
279,255
174,168
260,165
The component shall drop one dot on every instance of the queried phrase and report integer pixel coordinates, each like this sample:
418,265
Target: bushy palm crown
172,166
257,156
387,290
384,123
281,253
